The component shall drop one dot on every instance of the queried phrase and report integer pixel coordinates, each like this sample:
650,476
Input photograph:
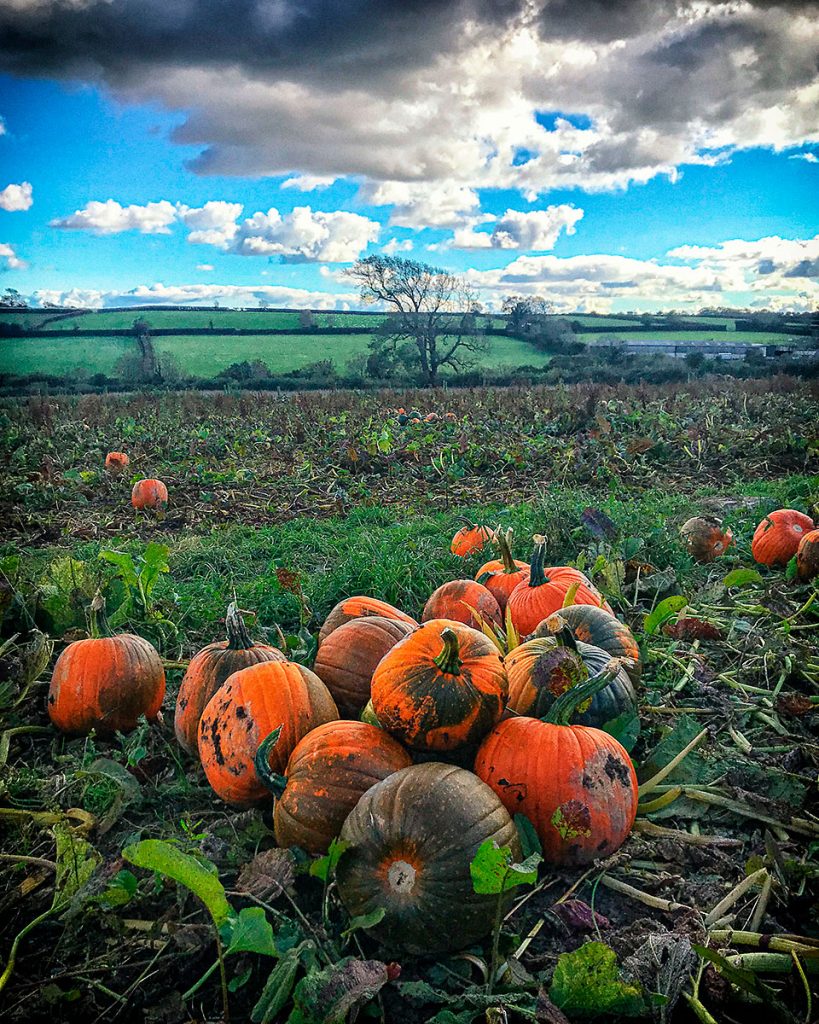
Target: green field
735,337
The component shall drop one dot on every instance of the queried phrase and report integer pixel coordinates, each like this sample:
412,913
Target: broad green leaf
324,867
154,563
587,983
124,563
791,570
741,578
529,840
277,989
121,889
76,862
364,921
493,870
664,611
250,932
625,728
329,995
157,855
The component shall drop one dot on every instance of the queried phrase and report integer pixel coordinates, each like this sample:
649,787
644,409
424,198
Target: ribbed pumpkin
601,629
412,838
347,658
461,600
209,668
501,575
541,669
149,494
116,462
705,538
807,556
777,538
469,539
105,683
441,688
545,590
575,784
327,773
250,705
357,608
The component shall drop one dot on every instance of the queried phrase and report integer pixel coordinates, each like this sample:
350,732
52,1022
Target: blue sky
598,210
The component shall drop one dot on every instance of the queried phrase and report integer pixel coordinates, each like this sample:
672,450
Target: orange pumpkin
359,607
468,539
464,601
116,462
807,556
149,494
442,687
576,784
705,538
501,575
326,775
105,683
777,538
346,660
545,590
209,669
251,704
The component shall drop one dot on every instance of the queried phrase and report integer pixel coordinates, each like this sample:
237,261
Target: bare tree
431,308
526,313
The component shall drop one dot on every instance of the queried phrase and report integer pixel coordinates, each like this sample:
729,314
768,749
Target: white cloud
810,158
16,197
3,129
308,182
393,246
445,205
535,231
306,235
13,261
202,294
204,267
212,224
110,218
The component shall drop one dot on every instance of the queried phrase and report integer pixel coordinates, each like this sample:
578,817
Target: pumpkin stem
238,637
99,622
569,701
504,541
274,782
561,631
448,660
537,577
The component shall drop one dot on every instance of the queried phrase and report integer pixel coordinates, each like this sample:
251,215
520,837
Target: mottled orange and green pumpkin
464,601
501,575
327,773
441,688
411,841
777,538
574,783
602,629
250,705
208,670
360,607
807,556
347,658
705,538
469,539
149,494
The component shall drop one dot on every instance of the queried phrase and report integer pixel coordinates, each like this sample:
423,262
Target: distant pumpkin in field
116,462
469,538
705,539
149,494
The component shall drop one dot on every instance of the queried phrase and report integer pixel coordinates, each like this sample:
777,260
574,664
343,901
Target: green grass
59,356
735,337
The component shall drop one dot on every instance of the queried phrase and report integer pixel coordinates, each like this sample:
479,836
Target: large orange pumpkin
209,669
359,607
411,841
149,494
705,538
250,705
807,556
116,462
469,539
545,590
441,688
464,601
347,658
575,784
777,538
501,575
327,773
105,683
601,629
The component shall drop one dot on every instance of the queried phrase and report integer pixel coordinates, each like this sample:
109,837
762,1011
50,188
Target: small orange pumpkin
501,575
328,772
705,538
807,556
251,704
116,462
209,669
469,539
105,683
463,601
149,494
359,607
777,538
442,687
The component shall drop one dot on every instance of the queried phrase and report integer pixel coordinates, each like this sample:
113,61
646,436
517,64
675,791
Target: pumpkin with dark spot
411,841
601,629
360,607
705,538
250,705
807,556
149,494
346,660
464,601
105,683
777,538
209,668
116,462
501,575
327,773
469,539
575,784
442,687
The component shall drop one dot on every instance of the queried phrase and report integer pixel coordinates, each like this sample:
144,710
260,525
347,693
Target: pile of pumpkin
782,535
